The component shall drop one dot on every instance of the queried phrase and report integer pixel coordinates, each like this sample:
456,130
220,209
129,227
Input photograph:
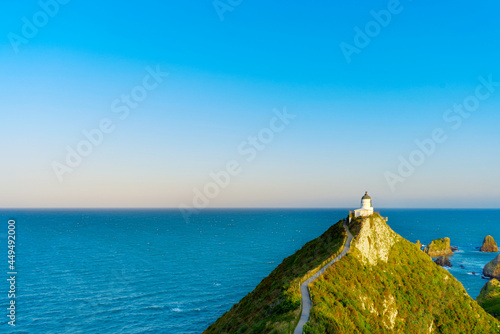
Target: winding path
304,287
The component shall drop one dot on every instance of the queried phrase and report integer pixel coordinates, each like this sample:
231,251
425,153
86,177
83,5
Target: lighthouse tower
366,207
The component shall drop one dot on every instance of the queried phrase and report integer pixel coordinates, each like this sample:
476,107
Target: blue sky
354,120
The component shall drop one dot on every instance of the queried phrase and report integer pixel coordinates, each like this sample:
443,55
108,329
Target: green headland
385,284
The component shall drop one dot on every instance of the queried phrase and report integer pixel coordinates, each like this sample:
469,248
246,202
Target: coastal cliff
384,284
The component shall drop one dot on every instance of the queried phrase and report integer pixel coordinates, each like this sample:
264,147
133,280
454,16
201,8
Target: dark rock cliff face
492,268
439,247
489,244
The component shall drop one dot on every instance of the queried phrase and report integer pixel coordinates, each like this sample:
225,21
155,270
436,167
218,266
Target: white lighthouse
366,207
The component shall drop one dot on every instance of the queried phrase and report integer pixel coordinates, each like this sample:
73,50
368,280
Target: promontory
384,284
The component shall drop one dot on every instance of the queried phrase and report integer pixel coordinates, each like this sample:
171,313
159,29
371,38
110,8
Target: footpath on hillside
304,287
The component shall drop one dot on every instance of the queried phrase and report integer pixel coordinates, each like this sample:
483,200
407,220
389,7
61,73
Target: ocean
148,271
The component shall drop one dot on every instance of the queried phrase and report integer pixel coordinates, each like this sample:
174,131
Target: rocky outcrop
489,298
492,268
419,245
489,244
375,240
439,247
443,261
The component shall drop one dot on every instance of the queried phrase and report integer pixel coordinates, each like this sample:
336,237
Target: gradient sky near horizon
353,120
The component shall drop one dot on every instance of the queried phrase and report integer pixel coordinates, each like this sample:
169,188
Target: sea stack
492,268
439,247
489,245
419,244
489,298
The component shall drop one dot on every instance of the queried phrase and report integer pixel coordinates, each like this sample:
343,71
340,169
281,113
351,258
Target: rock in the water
492,268
439,247
443,261
419,245
489,244
489,298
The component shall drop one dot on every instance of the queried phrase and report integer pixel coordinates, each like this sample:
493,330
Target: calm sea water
147,271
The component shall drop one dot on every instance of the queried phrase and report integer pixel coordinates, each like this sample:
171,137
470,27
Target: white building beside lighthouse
366,207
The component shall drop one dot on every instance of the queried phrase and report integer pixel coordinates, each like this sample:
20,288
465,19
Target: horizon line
243,208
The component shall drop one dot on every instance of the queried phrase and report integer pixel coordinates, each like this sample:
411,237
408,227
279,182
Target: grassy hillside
274,305
401,291
489,298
